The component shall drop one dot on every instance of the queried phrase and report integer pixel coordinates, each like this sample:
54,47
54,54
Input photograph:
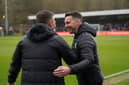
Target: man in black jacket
39,53
87,68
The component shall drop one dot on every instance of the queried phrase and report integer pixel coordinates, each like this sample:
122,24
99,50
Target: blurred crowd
22,29
115,27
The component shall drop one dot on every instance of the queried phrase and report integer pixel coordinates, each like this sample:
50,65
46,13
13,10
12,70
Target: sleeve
66,52
15,64
85,46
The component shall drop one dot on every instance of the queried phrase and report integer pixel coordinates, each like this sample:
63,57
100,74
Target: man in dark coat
87,68
39,53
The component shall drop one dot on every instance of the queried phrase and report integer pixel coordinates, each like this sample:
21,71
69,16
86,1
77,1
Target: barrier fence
99,33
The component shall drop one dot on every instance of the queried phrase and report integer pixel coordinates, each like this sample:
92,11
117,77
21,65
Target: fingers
59,74
61,71
58,68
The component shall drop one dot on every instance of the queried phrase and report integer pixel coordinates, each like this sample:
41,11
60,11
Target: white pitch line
116,74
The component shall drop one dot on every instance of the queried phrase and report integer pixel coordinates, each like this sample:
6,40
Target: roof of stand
92,13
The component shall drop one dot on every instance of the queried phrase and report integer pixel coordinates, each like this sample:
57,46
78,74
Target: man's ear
78,21
50,23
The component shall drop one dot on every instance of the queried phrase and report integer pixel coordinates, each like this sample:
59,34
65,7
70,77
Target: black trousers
90,78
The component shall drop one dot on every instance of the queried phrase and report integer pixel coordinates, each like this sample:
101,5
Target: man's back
38,54
39,61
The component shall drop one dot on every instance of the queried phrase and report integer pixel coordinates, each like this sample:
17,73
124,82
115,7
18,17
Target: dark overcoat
88,68
38,54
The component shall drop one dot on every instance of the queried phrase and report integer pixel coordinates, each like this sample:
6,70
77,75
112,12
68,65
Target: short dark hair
43,16
74,15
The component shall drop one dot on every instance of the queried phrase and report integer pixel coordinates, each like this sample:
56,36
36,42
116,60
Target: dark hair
74,15
43,16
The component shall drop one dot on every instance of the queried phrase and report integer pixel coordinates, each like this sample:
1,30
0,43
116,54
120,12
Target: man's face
71,24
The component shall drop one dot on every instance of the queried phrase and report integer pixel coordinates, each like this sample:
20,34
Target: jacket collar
86,28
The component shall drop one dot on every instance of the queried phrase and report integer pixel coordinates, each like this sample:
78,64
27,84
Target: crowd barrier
99,33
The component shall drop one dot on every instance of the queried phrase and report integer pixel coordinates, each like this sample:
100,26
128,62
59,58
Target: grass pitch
113,53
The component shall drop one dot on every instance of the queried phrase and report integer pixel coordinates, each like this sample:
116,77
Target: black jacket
84,46
38,54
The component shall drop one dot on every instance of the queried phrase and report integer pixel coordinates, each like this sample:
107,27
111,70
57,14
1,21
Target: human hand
62,71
